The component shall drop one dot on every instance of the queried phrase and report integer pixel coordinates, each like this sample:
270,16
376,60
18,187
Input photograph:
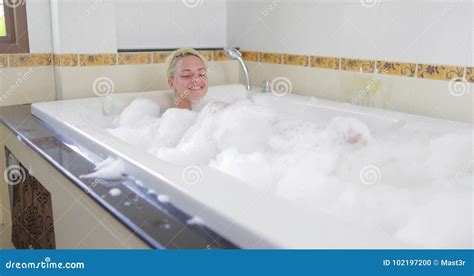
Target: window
13,27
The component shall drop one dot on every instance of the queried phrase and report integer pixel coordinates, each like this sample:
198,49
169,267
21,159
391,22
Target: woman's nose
196,78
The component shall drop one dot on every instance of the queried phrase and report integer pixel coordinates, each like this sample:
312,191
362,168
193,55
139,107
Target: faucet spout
236,55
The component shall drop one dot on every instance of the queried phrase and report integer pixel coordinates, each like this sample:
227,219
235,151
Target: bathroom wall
30,79
88,34
74,47
411,56
146,24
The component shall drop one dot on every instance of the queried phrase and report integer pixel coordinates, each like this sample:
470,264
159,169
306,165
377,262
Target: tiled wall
105,59
145,24
415,31
27,78
420,43
393,54
405,69
128,72
397,90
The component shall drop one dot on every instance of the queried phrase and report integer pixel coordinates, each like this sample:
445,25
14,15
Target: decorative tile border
357,65
250,56
439,72
396,68
207,54
270,58
65,60
299,60
404,69
423,71
101,59
97,59
30,60
160,57
220,56
3,61
470,74
134,58
325,62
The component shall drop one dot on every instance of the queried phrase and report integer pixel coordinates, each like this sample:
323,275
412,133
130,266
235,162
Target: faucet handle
266,86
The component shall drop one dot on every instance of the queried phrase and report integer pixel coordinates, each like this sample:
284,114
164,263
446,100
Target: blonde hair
177,55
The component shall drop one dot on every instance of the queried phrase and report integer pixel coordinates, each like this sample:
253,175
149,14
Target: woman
187,77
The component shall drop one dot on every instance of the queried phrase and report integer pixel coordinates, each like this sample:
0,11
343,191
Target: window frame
16,39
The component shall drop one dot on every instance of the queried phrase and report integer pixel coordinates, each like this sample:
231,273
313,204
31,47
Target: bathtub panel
76,217
5,213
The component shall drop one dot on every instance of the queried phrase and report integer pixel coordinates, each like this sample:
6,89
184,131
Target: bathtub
246,217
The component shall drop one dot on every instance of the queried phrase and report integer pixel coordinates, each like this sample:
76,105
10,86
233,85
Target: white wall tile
96,30
294,35
445,32
470,58
83,26
260,29
128,28
63,23
39,26
360,30
399,32
325,29
171,24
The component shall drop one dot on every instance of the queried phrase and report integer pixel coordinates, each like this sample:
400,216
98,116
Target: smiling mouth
194,88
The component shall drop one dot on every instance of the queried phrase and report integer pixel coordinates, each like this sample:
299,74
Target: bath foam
138,109
433,224
446,155
245,126
222,93
198,140
108,169
141,134
115,192
174,123
252,168
384,181
294,136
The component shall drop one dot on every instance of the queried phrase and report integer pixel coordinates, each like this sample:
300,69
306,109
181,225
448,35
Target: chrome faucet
236,55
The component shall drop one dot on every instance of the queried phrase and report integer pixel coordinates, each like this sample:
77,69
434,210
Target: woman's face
190,79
